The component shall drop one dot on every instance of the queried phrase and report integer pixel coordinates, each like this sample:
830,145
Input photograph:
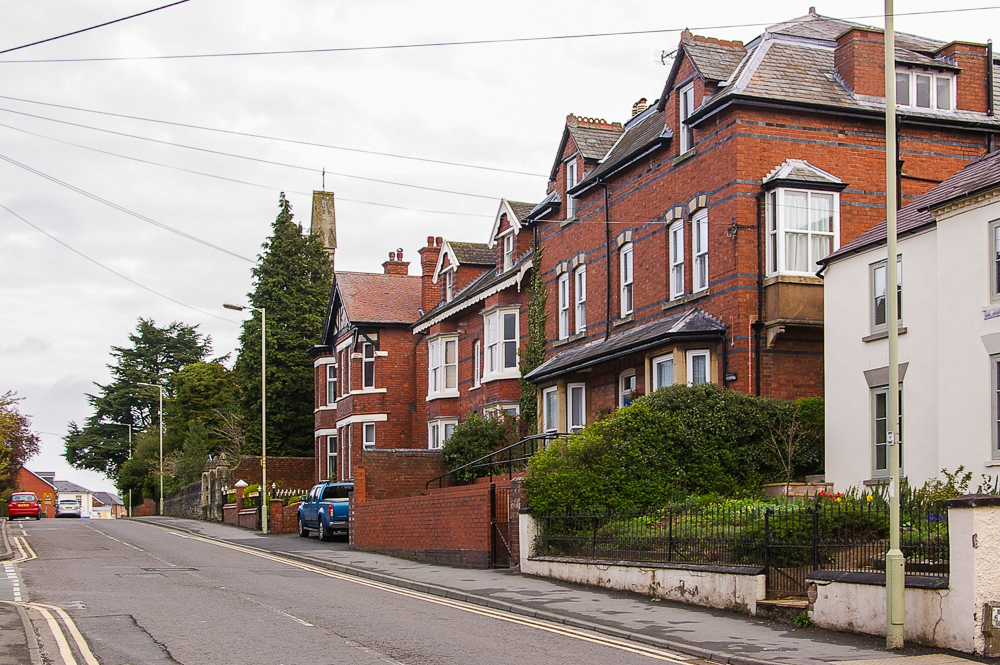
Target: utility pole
895,563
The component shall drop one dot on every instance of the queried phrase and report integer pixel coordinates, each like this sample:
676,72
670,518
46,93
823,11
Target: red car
23,504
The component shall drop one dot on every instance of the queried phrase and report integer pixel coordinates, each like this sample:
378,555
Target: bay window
331,457
501,344
697,367
576,397
442,367
331,384
438,432
550,409
803,227
626,392
663,371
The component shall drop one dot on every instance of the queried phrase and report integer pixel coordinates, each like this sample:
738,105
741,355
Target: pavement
711,635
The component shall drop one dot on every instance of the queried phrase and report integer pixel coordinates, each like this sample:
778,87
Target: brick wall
283,519
290,472
230,514
147,509
450,526
391,474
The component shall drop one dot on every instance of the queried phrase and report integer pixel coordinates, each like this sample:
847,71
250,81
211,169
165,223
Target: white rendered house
949,342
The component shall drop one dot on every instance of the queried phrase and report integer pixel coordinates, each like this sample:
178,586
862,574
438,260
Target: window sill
683,157
368,391
474,388
685,299
567,221
448,395
568,340
628,318
881,480
792,278
882,334
326,407
509,374
992,462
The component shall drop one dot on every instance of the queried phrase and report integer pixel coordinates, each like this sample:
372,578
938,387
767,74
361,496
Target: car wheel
303,532
38,516
323,533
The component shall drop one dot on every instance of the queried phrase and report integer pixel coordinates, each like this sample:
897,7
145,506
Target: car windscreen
342,492
23,497
68,502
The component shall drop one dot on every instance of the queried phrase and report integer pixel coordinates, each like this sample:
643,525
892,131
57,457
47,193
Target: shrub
476,437
673,443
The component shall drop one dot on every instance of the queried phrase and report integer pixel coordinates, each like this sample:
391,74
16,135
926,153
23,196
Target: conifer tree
292,284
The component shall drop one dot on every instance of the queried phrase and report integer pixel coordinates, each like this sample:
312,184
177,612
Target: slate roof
641,133
108,499
692,323
67,486
714,60
978,175
817,26
522,209
800,170
378,298
474,253
592,142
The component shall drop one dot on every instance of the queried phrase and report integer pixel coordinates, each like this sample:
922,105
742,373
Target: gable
505,216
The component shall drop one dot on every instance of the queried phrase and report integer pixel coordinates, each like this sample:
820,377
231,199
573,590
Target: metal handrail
509,461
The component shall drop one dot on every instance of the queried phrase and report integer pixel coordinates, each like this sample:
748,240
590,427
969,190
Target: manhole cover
169,570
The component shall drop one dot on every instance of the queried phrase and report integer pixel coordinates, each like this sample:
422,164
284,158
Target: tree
154,356
476,437
795,434
292,284
18,443
202,394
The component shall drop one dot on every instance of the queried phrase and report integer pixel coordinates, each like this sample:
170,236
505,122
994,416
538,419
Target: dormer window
925,90
685,102
508,251
449,285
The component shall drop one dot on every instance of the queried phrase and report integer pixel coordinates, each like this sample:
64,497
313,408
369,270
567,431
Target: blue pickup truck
325,510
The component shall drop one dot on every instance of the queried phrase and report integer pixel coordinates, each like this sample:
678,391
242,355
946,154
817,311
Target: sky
100,198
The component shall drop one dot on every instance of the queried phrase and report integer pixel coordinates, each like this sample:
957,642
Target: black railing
789,541
505,461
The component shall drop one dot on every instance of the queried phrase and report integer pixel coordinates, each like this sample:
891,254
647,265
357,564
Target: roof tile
378,298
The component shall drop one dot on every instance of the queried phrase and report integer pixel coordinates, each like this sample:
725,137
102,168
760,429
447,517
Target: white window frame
777,232
499,347
508,250
685,107
676,232
331,456
575,391
626,278
580,292
571,182
874,295
699,251
449,285
660,360
627,384
477,363
563,288
877,429
995,261
368,432
441,372
331,384
550,409
699,353
995,394
367,363
910,100
345,442
439,431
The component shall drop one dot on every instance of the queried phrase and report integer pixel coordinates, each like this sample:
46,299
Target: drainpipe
725,360
990,101
607,262
758,325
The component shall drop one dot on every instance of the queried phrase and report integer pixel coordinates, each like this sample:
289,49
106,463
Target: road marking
115,539
81,644
538,624
64,650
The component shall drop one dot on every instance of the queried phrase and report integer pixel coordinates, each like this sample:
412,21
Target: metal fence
788,541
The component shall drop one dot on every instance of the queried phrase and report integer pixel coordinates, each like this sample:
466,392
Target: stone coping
700,567
876,579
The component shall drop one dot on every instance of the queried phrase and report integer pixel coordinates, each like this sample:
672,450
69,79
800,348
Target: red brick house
687,252
474,321
27,481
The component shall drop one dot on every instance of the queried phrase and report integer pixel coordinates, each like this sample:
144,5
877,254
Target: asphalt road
143,595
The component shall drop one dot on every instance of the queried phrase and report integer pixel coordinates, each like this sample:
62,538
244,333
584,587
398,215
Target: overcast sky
499,105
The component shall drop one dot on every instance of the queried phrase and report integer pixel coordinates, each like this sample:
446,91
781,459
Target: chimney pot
392,256
399,254
430,241
440,241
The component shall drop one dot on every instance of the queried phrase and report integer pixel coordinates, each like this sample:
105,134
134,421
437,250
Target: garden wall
397,473
724,587
187,502
291,472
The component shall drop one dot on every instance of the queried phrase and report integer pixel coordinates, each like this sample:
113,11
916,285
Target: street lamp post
265,506
156,385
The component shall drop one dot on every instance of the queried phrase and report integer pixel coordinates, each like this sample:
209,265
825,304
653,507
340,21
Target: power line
113,272
278,138
123,209
470,42
252,159
93,27
234,180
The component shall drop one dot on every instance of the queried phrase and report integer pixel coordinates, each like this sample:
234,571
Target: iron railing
506,461
789,541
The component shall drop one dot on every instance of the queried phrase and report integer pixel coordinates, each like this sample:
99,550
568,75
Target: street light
156,385
129,425
265,505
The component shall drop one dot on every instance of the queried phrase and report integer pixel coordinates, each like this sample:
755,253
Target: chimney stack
639,107
324,222
430,293
396,265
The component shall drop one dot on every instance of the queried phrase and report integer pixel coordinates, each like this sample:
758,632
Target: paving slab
716,635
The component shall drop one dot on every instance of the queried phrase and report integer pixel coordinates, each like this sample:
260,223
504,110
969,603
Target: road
144,595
